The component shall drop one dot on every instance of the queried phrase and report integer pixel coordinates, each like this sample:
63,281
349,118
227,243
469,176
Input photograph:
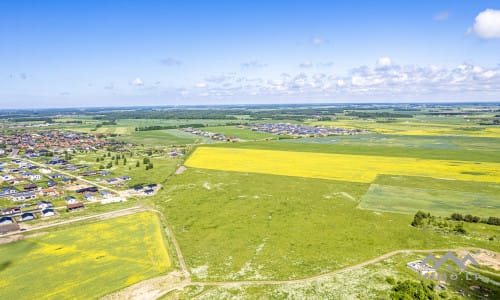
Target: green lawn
436,201
84,261
407,141
253,226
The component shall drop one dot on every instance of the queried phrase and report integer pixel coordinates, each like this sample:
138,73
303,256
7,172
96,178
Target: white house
35,177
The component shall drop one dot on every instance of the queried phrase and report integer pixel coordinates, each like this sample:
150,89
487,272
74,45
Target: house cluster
175,152
50,140
117,181
146,190
297,130
23,181
26,212
212,135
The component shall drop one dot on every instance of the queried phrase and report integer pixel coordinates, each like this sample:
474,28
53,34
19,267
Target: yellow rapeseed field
346,167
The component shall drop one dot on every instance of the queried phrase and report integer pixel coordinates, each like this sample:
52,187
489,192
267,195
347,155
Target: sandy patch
180,170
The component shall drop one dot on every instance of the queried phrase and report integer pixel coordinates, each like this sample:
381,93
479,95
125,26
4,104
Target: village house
89,196
11,210
149,192
70,200
35,177
49,192
44,205
27,216
48,212
75,206
23,196
6,220
30,187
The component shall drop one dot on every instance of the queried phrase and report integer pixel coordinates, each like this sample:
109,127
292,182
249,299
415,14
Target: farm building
75,206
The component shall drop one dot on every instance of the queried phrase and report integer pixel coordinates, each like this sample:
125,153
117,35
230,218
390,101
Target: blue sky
88,53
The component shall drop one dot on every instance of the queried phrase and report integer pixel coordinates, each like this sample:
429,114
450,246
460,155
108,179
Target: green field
84,261
252,226
407,141
439,202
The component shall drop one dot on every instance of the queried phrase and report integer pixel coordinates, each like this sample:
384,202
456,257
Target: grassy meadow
84,261
237,225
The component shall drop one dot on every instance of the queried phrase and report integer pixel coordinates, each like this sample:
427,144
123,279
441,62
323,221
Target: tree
124,161
457,217
145,161
137,164
409,289
418,219
109,165
97,159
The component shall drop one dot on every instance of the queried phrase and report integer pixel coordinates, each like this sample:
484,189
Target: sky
73,53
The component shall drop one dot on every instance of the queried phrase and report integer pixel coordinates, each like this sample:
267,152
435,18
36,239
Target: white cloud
137,82
316,40
306,64
171,62
253,64
201,85
442,16
384,62
487,24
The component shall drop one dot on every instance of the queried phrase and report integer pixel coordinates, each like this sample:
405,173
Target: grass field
355,168
156,138
406,141
234,225
84,261
439,202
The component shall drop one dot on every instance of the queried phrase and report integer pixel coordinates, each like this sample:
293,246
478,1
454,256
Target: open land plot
235,225
355,168
407,141
439,202
155,138
243,134
163,167
368,282
84,261
407,194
